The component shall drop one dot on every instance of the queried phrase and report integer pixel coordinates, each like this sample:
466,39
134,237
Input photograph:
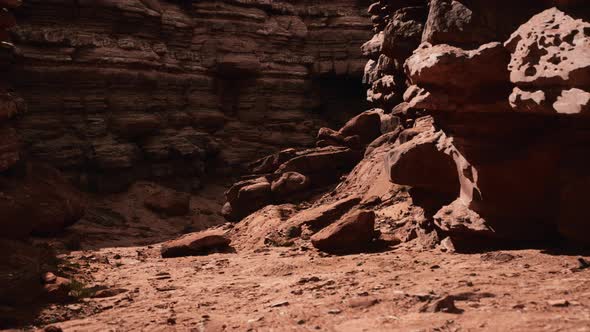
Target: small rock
280,304
583,264
559,303
362,303
58,290
335,311
52,328
74,307
49,278
447,245
445,304
104,293
307,280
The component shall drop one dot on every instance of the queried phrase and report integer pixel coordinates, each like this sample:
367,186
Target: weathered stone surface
551,50
454,68
458,220
372,48
367,126
384,92
452,22
196,244
572,101
328,162
404,32
41,201
116,77
169,202
246,197
426,161
352,233
323,215
307,169
550,64
470,23
290,183
270,163
57,289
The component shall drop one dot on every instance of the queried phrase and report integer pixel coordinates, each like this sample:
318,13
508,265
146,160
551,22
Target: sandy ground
405,288
298,289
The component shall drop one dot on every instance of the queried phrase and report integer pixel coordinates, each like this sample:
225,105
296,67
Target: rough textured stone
289,183
550,64
352,233
551,50
426,161
246,197
40,201
119,78
366,125
454,68
169,202
323,215
196,244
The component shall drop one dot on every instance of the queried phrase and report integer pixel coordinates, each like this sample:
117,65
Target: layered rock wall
119,90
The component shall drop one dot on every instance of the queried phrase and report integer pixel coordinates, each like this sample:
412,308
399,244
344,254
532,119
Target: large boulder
323,215
426,162
246,197
352,233
322,165
452,68
367,126
169,202
550,64
41,201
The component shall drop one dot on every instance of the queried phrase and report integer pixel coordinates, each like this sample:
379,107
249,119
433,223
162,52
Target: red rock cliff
120,90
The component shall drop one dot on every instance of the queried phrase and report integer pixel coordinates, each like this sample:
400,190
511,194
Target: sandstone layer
123,90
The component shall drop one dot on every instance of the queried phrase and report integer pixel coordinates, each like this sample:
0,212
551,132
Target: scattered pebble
558,303
280,304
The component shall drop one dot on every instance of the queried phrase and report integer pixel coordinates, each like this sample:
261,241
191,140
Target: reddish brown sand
300,289
297,290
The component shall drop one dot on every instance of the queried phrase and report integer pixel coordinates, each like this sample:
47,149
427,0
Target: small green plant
79,290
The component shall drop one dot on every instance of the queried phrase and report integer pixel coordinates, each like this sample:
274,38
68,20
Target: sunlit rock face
516,117
121,90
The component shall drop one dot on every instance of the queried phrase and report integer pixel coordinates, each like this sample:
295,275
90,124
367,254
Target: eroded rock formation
121,90
515,112
501,155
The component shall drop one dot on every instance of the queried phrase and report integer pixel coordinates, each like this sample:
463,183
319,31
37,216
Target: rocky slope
123,90
500,156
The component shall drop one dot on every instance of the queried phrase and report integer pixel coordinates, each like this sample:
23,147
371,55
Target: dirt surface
123,284
299,289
